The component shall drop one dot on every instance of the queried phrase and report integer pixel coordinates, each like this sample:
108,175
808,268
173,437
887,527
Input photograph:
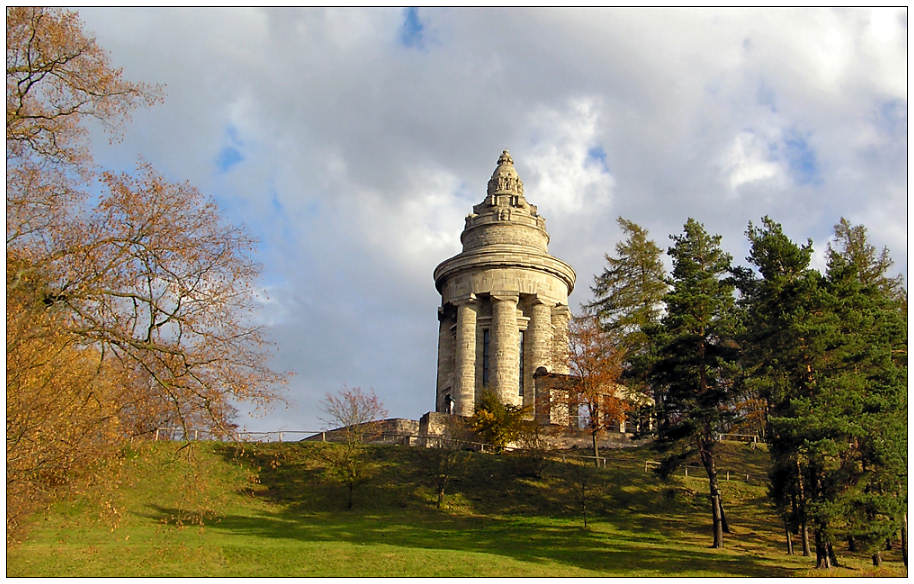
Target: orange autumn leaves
126,310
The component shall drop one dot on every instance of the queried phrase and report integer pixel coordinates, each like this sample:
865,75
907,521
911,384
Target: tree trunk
717,525
596,451
823,559
717,508
584,501
832,556
723,515
851,544
801,493
904,539
349,501
789,540
877,558
440,498
658,412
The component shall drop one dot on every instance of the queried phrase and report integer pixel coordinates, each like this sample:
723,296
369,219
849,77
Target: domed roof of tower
505,180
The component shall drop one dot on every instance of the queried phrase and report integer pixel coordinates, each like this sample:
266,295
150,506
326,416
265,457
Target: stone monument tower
504,301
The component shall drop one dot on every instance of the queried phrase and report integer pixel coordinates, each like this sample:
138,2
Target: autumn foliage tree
497,423
628,301
596,360
57,80
126,310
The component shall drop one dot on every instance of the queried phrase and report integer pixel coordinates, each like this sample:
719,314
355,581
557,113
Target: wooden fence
699,471
179,434
437,441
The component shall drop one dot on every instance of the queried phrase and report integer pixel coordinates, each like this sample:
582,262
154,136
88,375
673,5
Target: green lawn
268,511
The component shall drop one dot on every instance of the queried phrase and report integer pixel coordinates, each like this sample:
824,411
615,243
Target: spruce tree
628,301
697,354
628,295
851,244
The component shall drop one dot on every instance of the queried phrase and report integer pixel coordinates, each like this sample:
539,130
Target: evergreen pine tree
827,353
870,309
697,354
777,359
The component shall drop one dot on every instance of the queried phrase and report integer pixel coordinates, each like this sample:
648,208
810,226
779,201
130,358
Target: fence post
728,475
686,470
323,436
196,433
156,439
280,436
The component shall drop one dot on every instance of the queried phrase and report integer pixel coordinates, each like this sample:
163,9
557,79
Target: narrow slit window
485,357
520,385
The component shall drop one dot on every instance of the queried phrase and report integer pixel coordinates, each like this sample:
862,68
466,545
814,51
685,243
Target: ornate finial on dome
504,180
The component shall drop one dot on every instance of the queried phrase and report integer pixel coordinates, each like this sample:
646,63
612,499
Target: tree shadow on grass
650,527
519,539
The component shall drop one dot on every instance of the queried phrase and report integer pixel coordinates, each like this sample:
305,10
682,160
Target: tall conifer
778,359
697,354
870,307
628,301
825,351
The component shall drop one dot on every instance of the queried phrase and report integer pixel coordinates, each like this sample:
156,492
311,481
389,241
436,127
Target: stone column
506,368
560,318
445,383
538,345
465,357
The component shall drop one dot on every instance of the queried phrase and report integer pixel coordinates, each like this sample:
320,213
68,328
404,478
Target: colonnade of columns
460,369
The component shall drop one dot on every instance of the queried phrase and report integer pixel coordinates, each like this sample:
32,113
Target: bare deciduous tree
446,457
355,413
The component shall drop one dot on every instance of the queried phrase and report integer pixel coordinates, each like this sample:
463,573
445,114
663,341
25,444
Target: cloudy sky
352,142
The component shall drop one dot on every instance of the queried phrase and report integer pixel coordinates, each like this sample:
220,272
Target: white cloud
749,160
560,171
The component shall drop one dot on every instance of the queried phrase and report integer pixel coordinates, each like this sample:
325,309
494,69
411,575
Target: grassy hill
268,510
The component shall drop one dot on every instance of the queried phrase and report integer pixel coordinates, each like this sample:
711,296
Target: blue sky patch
411,32
228,157
801,159
597,155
